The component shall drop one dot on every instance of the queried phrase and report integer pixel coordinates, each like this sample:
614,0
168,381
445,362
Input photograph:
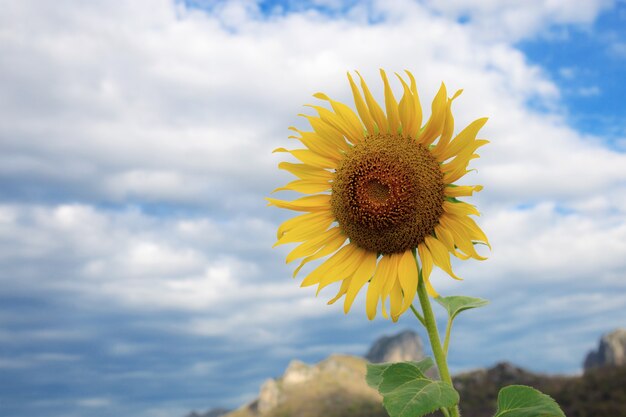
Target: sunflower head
387,194
381,201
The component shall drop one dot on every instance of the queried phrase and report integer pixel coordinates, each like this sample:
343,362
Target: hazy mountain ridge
599,392
404,346
335,387
611,351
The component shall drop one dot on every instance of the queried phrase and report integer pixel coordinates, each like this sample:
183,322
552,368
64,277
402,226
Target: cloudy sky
136,270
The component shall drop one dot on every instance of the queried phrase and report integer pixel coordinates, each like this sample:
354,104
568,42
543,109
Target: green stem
446,340
433,336
433,333
418,315
443,410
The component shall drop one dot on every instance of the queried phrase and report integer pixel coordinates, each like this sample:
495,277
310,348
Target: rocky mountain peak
338,378
611,351
404,346
297,372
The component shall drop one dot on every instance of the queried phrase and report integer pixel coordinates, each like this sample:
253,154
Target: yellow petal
313,245
360,277
392,273
434,127
462,190
441,256
389,280
417,107
333,262
312,158
351,132
445,237
318,144
306,230
452,176
463,158
331,247
430,290
298,221
328,132
346,114
406,111
447,131
375,287
374,108
391,106
306,186
426,259
474,232
306,172
395,302
407,276
346,270
465,154
466,136
384,309
342,290
460,208
361,107
320,202
461,236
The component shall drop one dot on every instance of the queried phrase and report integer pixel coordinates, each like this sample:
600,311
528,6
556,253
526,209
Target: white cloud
174,115
162,110
514,20
214,272
542,242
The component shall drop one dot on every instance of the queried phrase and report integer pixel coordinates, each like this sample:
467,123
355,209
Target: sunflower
381,196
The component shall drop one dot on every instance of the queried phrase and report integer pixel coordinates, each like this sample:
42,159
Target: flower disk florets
388,193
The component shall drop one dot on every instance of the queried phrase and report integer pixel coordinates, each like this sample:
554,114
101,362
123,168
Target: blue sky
588,63
136,270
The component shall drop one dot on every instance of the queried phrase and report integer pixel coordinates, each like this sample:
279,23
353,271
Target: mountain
598,392
336,387
404,346
611,351
325,393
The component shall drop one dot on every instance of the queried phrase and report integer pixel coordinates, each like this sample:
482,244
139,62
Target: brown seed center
377,192
388,193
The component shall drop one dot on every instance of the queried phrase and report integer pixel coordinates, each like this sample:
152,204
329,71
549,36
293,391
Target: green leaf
407,392
424,365
523,401
397,374
457,303
374,374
